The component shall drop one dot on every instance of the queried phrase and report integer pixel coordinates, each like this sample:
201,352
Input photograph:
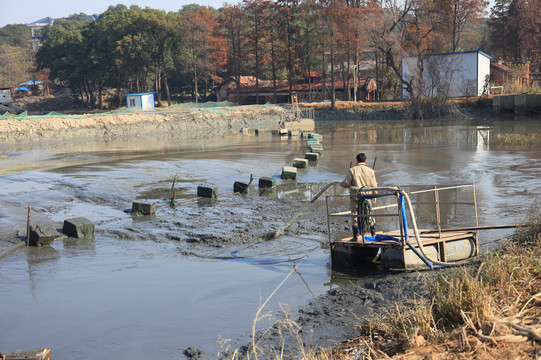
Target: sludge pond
194,275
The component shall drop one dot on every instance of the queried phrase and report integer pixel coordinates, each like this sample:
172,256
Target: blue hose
405,226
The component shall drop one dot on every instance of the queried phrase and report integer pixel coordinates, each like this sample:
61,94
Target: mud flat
111,126
331,318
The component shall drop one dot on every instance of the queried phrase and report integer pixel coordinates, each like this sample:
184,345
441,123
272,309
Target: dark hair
361,157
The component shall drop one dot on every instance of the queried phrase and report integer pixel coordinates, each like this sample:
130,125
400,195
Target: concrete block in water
300,163
311,156
312,142
143,208
243,188
42,235
267,182
289,172
316,149
207,192
78,227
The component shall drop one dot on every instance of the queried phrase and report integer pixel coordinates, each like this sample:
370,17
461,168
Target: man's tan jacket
358,176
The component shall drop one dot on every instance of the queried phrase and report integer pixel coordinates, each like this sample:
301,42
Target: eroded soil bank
189,125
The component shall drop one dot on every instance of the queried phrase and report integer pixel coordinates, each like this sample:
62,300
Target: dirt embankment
109,126
402,110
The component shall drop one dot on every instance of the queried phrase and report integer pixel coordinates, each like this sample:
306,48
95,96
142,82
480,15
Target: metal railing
395,192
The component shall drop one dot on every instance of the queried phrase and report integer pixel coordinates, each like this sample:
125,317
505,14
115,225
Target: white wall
449,75
148,101
484,73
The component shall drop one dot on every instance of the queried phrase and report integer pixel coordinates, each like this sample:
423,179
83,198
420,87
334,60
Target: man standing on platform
359,176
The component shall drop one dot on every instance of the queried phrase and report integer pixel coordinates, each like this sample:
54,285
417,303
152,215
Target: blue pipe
405,226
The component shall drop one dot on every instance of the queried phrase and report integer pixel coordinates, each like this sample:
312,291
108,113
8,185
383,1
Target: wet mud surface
188,280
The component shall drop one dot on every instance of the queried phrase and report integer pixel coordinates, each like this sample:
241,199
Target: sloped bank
110,126
406,111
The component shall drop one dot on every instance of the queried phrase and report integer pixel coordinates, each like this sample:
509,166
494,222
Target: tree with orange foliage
257,12
411,29
199,30
459,13
232,19
288,11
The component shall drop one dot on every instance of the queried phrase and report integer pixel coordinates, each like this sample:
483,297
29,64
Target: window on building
132,102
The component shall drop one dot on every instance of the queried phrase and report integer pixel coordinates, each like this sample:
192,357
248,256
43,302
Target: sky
27,11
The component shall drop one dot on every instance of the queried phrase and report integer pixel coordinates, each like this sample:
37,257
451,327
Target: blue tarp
380,238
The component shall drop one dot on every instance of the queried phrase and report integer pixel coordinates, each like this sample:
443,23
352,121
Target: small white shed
451,74
140,101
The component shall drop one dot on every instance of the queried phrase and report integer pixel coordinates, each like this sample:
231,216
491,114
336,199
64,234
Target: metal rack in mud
408,247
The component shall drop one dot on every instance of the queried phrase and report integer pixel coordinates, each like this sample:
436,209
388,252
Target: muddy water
194,275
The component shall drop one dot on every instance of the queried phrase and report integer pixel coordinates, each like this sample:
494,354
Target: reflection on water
139,290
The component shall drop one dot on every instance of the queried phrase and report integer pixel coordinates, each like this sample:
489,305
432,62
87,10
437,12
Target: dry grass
519,88
489,310
356,106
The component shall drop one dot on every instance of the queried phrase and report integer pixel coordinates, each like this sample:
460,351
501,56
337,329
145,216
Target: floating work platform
408,247
387,248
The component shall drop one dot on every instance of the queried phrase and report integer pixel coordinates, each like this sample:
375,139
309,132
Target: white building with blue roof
140,101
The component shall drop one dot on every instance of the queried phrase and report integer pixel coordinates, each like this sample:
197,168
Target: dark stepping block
78,227
143,208
289,172
243,188
207,192
300,163
316,149
267,182
41,235
311,156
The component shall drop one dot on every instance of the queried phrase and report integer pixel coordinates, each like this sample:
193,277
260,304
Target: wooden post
28,227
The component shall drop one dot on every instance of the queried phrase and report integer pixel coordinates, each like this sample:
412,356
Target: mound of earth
37,105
